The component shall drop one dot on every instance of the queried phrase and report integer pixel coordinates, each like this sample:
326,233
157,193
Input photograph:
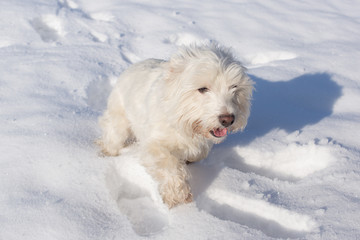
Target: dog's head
209,91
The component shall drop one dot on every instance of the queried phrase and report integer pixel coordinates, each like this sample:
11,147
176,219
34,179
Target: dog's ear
175,69
243,99
176,66
184,58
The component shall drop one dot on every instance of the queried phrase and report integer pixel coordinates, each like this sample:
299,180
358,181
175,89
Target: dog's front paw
174,193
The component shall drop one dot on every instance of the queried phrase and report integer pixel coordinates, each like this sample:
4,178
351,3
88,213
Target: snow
293,173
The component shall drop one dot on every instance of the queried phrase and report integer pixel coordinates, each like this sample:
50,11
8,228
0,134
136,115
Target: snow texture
293,173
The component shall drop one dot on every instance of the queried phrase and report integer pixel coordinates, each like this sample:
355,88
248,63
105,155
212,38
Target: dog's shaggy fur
177,110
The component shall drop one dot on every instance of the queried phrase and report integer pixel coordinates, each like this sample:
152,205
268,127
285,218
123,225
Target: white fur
158,103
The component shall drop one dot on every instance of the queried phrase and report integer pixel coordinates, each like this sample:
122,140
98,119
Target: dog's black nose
226,119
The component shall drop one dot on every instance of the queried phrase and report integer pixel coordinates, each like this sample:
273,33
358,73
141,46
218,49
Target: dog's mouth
219,132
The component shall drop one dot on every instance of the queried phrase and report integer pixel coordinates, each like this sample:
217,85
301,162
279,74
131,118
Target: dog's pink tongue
220,132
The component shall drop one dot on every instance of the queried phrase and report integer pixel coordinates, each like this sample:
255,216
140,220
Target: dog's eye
203,90
234,89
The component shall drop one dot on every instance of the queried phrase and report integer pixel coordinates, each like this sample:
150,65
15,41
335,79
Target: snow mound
49,27
289,160
268,57
136,194
257,213
185,38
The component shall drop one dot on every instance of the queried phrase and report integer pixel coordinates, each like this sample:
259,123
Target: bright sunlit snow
293,173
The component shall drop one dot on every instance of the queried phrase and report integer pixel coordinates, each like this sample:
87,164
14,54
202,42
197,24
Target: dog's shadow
287,105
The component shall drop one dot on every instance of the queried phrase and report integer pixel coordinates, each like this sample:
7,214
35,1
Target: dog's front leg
170,173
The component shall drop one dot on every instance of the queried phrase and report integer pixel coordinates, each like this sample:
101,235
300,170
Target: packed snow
293,173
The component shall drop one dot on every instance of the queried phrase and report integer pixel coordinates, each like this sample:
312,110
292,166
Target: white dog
177,110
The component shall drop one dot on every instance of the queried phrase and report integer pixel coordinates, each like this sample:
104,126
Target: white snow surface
293,173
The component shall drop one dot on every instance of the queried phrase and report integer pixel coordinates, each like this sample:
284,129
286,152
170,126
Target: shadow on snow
288,105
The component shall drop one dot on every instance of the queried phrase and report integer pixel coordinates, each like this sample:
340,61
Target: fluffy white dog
177,110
